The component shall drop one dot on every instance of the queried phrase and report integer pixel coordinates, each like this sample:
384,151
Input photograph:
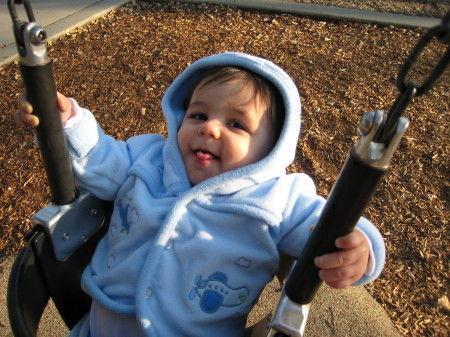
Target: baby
201,217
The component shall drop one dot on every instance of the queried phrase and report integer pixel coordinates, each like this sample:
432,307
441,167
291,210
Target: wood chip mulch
120,66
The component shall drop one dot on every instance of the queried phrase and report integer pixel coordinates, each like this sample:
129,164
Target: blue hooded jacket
192,260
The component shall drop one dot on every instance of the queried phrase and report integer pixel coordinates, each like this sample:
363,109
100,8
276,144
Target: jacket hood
274,164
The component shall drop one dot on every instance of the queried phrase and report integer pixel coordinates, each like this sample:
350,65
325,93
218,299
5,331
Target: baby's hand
344,267
24,117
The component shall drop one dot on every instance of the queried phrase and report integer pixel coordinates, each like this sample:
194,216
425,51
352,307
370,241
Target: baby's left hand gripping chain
367,162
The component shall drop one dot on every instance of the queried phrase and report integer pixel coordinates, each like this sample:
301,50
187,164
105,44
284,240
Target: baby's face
225,128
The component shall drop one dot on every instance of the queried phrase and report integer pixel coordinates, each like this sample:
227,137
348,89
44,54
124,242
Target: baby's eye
198,116
237,125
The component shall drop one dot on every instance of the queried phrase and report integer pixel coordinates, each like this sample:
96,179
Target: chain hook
30,36
12,10
19,25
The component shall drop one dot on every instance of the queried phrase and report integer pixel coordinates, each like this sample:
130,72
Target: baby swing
57,250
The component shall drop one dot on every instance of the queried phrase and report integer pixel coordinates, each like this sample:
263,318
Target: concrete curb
335,13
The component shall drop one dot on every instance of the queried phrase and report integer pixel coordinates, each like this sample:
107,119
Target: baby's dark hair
262,87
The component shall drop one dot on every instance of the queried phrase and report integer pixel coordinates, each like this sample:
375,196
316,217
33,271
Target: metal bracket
32,47
289,318
374,153
69,226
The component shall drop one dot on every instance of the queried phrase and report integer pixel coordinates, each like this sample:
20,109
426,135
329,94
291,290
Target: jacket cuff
82,131
378,251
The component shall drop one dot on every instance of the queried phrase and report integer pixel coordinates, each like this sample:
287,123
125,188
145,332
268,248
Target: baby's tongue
204,155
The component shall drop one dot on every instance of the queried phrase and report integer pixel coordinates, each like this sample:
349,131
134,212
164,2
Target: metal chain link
442,33
409,89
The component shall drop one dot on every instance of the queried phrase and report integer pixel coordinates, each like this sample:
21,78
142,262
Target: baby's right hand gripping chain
61,219
37,74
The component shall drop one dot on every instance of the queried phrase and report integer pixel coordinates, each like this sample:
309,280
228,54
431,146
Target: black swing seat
41,272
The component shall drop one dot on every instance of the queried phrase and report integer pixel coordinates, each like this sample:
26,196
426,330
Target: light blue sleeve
301,212
100,163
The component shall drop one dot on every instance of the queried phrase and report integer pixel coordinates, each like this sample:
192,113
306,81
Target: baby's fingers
340,269
23,104
337,259
23,115
352,240
23,118
340,277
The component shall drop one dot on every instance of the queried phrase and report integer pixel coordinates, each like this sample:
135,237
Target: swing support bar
69,207
37,74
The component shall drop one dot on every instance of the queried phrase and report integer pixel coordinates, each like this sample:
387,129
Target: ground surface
121,65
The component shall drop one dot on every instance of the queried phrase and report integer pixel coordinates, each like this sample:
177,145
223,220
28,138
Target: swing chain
442,33
409,89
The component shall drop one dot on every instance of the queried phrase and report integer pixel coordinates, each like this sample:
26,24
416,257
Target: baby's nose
211,128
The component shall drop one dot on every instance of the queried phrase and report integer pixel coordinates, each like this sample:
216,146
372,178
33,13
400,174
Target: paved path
56,16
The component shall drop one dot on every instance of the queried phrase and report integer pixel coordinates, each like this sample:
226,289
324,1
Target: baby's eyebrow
196,103
241,112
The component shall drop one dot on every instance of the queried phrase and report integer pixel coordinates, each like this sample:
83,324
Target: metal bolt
65,236
38,36
94,212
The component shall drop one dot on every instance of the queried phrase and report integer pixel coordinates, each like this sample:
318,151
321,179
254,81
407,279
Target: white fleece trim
371,263
77,114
